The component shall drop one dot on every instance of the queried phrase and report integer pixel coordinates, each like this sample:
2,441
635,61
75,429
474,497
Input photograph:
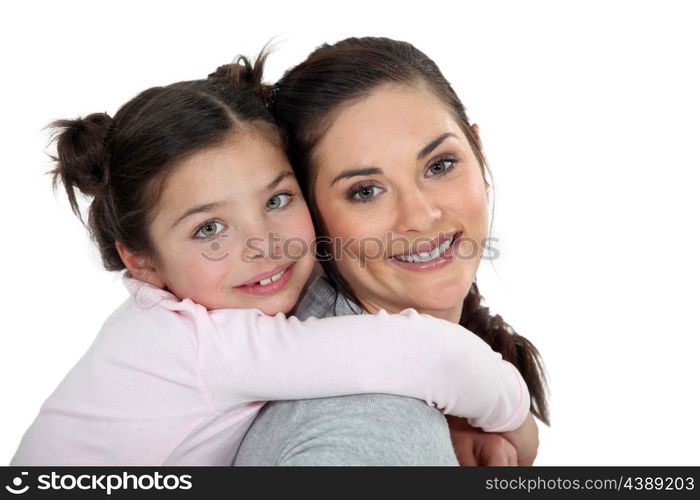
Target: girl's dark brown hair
305,102
122,162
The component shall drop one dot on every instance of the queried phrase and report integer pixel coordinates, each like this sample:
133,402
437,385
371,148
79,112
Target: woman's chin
437,303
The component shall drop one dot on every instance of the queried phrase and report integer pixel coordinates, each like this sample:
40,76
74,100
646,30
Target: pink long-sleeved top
167,382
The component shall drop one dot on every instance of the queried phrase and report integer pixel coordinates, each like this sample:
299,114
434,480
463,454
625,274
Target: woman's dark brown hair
122,162
305,101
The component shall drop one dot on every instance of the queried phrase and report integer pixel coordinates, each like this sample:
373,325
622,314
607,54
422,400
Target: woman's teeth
272,278
426,256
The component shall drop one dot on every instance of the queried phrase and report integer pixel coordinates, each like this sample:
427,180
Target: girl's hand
475,447
526,440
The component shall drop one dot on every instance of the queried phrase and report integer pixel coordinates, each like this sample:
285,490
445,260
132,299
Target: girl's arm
247,356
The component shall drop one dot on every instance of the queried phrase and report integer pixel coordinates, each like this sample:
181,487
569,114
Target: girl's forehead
236,170
245,155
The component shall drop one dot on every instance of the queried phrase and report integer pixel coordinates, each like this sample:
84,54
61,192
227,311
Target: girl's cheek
205,262
297,233
302,223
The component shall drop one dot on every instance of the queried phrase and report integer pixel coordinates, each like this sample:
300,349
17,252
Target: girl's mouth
270,282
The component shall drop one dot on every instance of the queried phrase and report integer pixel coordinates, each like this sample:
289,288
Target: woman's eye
440,167
365,193
209,229
278,201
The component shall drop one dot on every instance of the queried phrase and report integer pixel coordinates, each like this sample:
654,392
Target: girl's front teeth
272,278
426,256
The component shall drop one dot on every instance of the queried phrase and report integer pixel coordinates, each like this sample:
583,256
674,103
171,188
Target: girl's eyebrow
208,207
277,180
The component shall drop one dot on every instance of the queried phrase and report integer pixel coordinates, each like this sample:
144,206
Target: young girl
194,197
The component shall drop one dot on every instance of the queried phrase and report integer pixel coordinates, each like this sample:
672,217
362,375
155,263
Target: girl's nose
262,244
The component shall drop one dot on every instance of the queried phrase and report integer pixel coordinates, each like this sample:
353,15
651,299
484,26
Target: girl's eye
278,201
441,167
211,228
364,193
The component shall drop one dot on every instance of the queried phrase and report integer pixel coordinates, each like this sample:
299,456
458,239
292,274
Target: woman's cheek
349,260
470,204
369,249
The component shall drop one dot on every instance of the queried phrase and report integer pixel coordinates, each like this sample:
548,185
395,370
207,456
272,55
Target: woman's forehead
394,119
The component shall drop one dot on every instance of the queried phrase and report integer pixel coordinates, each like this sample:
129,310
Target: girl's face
401,192
231,229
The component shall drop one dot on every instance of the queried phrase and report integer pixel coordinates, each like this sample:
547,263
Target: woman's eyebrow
357,171
430,147
208,207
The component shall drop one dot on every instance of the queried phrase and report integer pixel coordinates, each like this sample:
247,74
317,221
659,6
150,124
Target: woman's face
401,194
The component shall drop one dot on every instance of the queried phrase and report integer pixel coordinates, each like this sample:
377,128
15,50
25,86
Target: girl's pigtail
82,159
246,75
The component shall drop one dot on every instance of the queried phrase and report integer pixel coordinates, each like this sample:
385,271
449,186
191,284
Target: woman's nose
417,211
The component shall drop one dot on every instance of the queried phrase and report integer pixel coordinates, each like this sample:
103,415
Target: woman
395,178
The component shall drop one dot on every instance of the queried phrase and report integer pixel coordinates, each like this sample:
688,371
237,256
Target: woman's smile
430,255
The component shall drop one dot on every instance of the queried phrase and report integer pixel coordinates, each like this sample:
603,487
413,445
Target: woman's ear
139,266
475,130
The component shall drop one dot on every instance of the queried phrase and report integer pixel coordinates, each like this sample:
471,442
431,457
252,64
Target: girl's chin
277,303
268,305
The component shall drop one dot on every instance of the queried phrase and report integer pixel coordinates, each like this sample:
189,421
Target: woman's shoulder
322,300
362,429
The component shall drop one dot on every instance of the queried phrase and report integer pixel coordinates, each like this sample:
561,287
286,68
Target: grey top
366,429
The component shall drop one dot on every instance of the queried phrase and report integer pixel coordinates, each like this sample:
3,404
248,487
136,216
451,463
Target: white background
589,116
